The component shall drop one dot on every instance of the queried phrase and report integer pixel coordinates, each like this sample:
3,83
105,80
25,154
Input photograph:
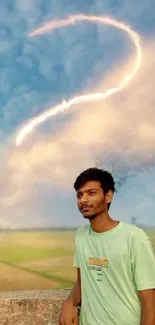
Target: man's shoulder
81,231
137,231
137,234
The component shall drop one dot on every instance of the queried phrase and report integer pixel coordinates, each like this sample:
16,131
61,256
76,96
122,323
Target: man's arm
147,298
143,265
75,295
69,313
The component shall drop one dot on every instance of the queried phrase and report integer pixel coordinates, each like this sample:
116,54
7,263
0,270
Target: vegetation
37,260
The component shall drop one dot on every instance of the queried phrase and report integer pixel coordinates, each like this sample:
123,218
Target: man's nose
84,198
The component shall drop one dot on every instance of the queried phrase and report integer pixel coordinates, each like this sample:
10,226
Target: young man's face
91,199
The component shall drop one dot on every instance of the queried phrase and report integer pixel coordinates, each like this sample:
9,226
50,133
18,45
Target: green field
39,260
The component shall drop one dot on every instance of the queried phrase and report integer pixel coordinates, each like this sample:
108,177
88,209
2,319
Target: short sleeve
143,264
76,257
76,260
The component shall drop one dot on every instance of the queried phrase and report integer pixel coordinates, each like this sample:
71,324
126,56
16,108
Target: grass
21,253
63,281
29,252
14,278
41,259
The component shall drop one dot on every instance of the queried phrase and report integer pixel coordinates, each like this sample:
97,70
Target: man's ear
109,196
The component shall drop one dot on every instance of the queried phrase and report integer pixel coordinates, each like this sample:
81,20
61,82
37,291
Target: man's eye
92,193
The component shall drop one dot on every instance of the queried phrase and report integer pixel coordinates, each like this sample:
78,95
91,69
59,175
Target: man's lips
85,207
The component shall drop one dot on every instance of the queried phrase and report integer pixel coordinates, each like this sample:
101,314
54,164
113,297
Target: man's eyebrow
90,189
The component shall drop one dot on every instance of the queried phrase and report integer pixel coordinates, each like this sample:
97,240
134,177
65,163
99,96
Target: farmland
39,260
36,260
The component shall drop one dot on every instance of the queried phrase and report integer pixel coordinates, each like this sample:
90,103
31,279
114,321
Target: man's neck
103,223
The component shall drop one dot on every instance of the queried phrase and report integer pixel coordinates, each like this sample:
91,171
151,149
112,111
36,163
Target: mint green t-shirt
114,265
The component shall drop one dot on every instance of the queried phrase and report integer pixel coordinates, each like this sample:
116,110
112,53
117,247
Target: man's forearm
148,316
75,295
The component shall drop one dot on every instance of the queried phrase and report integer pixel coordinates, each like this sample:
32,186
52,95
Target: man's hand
68,315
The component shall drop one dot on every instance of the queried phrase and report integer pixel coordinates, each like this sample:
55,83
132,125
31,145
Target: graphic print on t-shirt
97,264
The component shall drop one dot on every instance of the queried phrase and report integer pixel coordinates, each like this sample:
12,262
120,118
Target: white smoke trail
91,96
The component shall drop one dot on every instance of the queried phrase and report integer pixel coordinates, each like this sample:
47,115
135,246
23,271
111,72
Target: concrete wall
31,307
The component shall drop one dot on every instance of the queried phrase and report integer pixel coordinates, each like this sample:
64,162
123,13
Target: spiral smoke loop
90,97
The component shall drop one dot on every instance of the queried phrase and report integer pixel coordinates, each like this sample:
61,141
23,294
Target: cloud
117,133
136,198
27,5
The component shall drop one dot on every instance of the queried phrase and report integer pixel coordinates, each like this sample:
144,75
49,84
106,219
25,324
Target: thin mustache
85,206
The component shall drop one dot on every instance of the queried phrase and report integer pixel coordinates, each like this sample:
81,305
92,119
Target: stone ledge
31,307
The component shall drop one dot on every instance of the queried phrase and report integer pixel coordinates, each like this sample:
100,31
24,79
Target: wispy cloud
117,133
120,131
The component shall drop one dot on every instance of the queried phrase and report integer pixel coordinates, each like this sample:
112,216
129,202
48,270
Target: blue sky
36,183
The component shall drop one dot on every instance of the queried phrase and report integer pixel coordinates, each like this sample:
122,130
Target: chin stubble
90,217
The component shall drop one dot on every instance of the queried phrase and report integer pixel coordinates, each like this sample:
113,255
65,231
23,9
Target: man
115,262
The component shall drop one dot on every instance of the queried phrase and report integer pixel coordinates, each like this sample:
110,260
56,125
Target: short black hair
95,174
